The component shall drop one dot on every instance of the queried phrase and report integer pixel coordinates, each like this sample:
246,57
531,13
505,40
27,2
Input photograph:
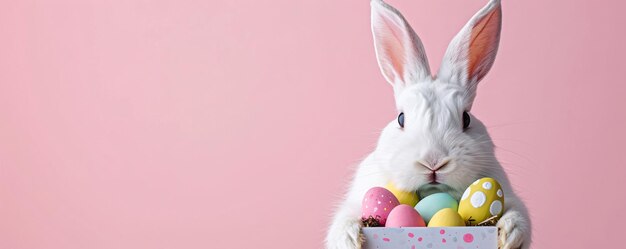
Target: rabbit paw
345,234
512,230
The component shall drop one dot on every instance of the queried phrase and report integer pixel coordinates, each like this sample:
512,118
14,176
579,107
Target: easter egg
405,197
482,200
431,204
377,204
446,217
404,216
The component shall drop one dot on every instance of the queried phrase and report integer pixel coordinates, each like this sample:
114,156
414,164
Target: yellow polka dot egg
482,200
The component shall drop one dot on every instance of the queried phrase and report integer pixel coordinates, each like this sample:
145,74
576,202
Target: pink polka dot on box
434,221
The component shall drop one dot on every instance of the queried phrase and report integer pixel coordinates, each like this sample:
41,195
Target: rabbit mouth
432,178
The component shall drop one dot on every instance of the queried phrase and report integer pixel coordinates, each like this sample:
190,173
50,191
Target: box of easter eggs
394,219
480,237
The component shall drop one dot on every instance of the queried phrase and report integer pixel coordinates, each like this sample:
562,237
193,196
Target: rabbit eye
401,119
466,120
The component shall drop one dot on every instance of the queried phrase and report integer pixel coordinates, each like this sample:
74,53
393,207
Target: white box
431,237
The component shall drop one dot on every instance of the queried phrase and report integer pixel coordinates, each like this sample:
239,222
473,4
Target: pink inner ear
392,45
484,43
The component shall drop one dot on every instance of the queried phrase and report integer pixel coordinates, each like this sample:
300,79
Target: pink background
235,124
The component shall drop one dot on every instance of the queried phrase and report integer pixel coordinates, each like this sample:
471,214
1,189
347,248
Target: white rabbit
434,145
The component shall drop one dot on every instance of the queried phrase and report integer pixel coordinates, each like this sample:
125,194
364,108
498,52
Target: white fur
432,133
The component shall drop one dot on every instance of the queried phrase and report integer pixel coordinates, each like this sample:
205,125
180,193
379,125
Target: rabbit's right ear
399,51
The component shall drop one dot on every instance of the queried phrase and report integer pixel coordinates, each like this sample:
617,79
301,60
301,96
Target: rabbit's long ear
473,50
399,51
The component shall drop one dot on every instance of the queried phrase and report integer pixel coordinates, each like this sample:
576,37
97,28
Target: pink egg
378,203
404,216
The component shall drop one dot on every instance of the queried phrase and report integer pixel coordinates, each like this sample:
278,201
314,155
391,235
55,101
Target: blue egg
430,205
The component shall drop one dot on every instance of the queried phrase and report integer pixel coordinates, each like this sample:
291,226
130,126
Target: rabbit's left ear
399,51
473,50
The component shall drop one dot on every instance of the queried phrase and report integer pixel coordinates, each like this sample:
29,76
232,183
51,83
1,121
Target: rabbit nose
433,166
434,161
